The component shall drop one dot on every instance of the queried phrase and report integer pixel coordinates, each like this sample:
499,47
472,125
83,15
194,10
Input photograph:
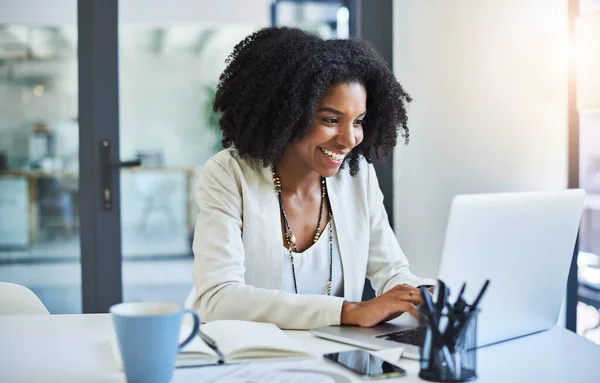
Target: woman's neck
296,177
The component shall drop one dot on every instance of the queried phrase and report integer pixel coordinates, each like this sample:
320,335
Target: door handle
107,168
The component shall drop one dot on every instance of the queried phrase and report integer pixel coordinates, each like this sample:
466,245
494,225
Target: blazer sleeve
387,265
220,289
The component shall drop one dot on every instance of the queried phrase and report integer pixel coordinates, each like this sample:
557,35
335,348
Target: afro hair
274,79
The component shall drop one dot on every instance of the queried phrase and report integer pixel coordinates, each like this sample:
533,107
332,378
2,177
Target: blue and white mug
148,337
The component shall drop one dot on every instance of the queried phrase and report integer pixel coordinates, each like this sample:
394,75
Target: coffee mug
148,337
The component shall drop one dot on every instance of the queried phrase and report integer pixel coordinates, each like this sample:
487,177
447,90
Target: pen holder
450,354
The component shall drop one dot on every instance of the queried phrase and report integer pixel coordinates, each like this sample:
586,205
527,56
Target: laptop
522,242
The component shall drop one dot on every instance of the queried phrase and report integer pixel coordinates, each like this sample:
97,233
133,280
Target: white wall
489,82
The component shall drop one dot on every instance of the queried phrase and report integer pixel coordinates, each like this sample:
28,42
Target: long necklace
291,239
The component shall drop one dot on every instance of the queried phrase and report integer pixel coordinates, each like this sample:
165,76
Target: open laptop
522,242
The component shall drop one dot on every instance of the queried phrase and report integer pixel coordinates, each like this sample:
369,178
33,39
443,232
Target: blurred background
169,62
493,80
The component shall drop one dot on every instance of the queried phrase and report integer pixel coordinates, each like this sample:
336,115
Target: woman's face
336,129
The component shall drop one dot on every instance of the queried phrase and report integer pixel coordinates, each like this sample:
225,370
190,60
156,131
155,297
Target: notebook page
244,339
195,346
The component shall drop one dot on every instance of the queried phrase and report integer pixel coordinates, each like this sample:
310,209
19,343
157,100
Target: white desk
72,348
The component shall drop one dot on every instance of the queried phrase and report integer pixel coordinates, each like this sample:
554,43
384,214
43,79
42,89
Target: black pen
462,327
459,304
213,345
455,313
479,296
430,307
433,317
442,295
440,303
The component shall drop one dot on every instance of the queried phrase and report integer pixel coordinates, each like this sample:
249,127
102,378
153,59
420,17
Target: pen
213,345
459,305
479,296
442,295
432,316
430,310
462,327
440,304
462,291
455,314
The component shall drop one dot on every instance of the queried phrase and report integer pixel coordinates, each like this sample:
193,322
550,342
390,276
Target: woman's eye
359,122
330,120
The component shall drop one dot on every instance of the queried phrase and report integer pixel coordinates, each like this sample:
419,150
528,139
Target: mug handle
195,329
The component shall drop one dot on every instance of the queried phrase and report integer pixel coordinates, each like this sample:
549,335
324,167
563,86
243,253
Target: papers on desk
390,355
311,371
240,341
304,371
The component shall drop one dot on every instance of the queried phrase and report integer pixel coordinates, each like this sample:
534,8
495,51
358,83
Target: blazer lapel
340,220
273,230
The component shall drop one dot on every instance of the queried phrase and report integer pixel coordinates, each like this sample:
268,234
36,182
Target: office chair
19,300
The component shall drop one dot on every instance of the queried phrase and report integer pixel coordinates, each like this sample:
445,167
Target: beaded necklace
291,239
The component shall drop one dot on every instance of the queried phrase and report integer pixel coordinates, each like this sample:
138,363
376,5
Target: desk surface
73,348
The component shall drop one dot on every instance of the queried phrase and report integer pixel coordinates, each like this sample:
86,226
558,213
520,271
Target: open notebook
239,341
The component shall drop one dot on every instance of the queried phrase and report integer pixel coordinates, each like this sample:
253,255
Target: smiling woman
296,109
276,79
336,129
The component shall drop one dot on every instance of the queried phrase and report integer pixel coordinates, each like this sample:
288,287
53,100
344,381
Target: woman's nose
346,136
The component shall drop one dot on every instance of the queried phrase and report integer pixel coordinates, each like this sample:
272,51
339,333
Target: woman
291,215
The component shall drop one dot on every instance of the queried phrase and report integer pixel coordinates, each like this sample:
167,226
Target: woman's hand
387,306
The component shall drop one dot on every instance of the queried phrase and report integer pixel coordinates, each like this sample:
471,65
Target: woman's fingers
416,299
412,297
390,305
399,299
408,294
406,301
404,286
411,309
415,295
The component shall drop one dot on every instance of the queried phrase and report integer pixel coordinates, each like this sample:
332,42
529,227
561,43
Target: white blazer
238,246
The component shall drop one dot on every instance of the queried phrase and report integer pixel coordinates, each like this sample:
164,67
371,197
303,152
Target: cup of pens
448,334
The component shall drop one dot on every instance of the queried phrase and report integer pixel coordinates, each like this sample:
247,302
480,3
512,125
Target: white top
312,268
74,349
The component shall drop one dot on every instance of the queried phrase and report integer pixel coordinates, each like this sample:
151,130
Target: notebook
239,341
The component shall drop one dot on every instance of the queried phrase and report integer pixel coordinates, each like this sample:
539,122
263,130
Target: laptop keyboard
409,336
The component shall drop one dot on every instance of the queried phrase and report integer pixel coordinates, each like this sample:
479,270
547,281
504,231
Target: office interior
493,111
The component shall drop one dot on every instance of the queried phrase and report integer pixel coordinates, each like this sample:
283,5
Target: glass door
60,232
39,153
169,65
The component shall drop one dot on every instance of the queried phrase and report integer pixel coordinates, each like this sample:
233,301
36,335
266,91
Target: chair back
19,300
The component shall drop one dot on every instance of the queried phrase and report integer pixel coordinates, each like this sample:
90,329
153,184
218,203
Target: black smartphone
365,364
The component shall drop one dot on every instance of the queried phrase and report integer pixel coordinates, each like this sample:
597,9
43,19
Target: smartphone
365,364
